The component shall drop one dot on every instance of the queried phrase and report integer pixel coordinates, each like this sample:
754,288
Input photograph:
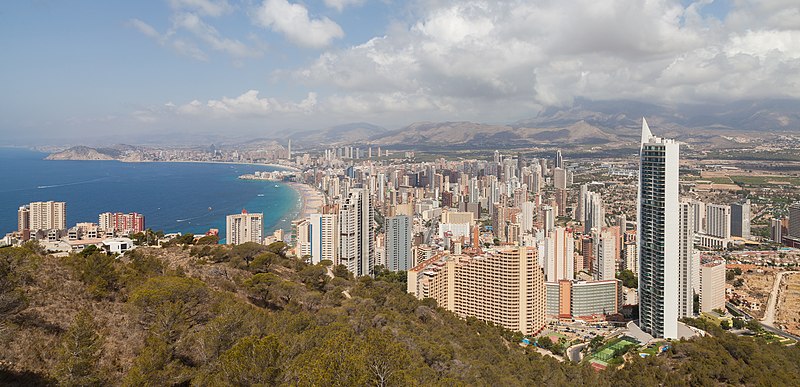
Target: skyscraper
356,232
718,220
558,255
605,267
48,215
398,243
244,227
559,161
740,219
686,264
594,211
658,235
324,237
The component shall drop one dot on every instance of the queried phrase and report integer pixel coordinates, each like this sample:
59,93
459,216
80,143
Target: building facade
243,228
357,232
398,243
658,239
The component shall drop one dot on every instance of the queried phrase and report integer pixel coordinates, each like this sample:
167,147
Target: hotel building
243,228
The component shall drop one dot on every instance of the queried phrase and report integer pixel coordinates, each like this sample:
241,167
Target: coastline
272,165
311,199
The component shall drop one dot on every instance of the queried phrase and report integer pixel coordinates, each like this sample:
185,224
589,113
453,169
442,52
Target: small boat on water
276,186
260,195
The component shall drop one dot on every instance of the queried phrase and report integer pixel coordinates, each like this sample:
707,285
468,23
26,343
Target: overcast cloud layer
490,61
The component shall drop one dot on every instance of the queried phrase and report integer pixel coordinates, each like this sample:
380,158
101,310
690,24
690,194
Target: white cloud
339,5
203,7
294,22
208,34
470,53
248,104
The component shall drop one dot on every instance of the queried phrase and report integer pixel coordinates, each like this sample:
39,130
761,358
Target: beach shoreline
312,200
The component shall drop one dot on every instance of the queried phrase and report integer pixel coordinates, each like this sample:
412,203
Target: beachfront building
505,287
559,262
38,216
244,227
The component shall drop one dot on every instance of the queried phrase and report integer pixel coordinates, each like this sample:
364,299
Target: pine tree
79,355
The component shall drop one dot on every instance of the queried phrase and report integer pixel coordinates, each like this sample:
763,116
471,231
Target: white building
595,213
605,265
243,228
685,255
324,237
558,255
357,232
718,220
712,286
658,235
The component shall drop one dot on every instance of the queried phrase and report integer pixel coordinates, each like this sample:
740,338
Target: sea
173,197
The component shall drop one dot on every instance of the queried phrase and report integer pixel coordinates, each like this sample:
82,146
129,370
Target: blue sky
266,67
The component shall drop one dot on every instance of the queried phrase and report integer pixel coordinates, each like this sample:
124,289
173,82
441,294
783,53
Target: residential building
740,219
398,243
584,300
357,232
658,235
324,237
712,286
718,220
559,262
48,215
505,287
605,253
243,228
120,223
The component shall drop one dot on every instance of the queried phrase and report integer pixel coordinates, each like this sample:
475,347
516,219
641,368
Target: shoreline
273,165
311,200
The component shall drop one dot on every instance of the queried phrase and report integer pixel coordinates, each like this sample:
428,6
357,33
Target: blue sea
173,197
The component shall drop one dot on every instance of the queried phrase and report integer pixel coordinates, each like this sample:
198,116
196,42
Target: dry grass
789,304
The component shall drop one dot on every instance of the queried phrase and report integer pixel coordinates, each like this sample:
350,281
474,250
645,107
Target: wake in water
69,184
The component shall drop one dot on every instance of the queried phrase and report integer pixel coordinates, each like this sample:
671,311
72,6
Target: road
767,328
574,352
772,304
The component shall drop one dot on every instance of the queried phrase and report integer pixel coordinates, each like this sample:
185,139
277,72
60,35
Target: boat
260,195
276,186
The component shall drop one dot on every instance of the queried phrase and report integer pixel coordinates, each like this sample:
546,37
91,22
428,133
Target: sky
72,70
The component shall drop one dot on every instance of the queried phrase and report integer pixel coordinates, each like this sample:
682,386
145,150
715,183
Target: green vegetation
629,280
253,316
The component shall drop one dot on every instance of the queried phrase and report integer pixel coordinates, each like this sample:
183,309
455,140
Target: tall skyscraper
398,243
776,230
324,237
580,212
243,228
740,219
560,178
658,235
357,233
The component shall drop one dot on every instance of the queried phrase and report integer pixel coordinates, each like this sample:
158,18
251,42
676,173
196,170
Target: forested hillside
216,315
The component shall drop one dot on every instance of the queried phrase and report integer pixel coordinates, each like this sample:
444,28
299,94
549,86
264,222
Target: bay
173,197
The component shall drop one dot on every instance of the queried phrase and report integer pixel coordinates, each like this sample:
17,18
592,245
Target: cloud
465,54
248,104
293,21
188,30
339,5
203,7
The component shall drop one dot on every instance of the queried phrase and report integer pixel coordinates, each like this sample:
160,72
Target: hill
220,315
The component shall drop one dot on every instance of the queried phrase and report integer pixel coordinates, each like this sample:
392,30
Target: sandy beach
312,199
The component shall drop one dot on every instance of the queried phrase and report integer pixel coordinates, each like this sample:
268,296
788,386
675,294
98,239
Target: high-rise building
630,257
398,243
24,219
605,267
559,262
324,237
740,219
584,300
505,287
560,178
794,220
302,238
685,261
776,230
244,227
357,232
699,209
118,222
559,160
718,220
594,211
712,286
658,239
526,216
48,215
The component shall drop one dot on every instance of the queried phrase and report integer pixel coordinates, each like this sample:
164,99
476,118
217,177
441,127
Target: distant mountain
340,134
115,152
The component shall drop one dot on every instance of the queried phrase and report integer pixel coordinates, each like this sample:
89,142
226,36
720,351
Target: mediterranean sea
173,197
